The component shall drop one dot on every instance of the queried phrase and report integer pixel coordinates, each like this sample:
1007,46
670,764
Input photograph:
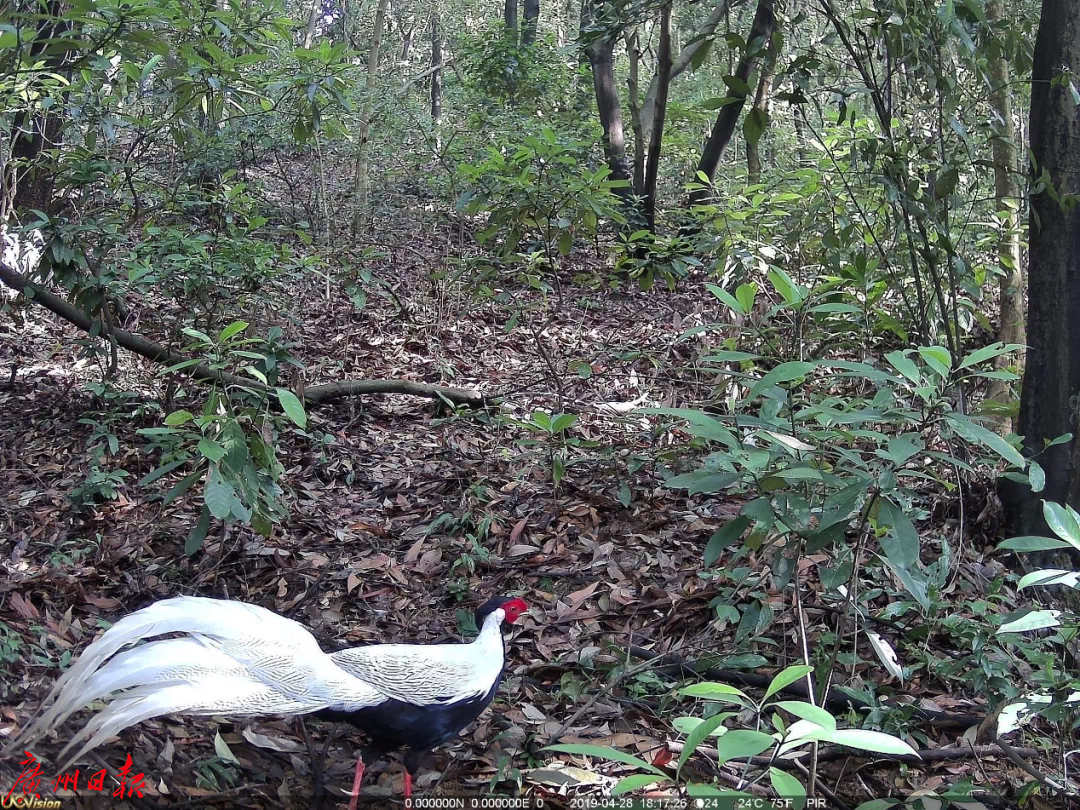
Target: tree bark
530,21
315,395
436,68
633,52
510,18
1011,327
656,135
364,131
682,62
1052,373
601,54
24,183
312,23
761,102
760,37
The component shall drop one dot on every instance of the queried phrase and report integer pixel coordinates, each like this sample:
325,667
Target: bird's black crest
486,609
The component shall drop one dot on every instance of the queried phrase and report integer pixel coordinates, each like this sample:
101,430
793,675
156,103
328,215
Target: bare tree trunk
602,60
633,51
1007,191
530,21
1052,369
800,136
656,136
436,68
682,62
761,103
364,132
312,22
759,39
510,18
23,183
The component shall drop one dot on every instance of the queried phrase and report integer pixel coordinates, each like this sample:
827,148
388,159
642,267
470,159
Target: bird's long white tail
234,659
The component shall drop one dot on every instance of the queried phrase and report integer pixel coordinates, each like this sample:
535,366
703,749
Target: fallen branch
315,395
672,663
834,753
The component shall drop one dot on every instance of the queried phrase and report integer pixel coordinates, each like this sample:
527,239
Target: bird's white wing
423,674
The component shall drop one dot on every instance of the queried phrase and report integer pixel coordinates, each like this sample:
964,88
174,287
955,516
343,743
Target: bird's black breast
395,723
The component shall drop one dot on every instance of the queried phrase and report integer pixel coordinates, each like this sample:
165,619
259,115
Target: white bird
241,660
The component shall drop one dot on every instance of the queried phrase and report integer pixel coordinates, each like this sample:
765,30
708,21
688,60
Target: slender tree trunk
1052,372
436,68
656,136
602,59
682,61
633,51
364,131
760,37
510,18
312,22
406,41
761,103
1007,191
24,182
530,21
800,136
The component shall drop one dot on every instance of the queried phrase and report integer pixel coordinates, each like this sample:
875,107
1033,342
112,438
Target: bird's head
511,607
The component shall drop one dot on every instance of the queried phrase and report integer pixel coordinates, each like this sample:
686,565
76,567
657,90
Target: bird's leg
408,784
358,778
316,765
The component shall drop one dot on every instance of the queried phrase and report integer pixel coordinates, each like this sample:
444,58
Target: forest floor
404,513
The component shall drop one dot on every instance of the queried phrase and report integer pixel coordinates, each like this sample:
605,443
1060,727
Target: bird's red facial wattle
513,609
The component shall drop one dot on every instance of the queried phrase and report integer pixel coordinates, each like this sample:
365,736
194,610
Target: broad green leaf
218,495
197,536
562,422
724,537
607,753
195,333
785,677
788,789
989,353
1049,576
223,751
914,580
164,469
905,366
211,449
741,742
1032,543
542,419
727,298
182,487
1062,522
178,418
785,372
785,286
879,804
977,434
684,725
697,736
1034,620
938,358
233,328
745,295
1036,476
901,544
635,782
292,406
874,741
702,482
807,711
715,691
